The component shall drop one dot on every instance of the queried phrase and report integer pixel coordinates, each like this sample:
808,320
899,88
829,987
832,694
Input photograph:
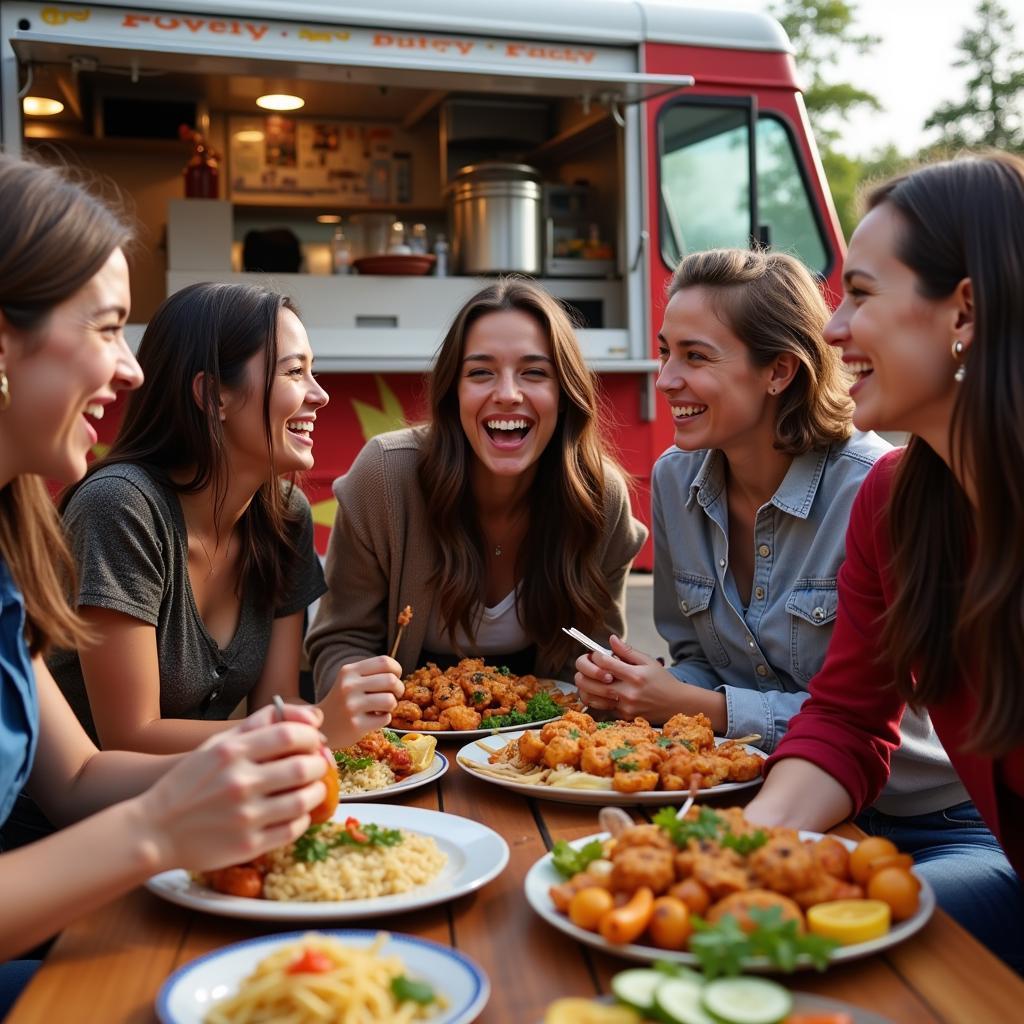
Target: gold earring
958,351
5,391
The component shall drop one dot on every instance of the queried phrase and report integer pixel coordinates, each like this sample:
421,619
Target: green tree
992,112
820,30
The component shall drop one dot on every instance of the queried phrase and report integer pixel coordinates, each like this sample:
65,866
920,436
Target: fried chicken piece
581,720
407,711
695,729
458,716
832,857
418,694
824,887
644,835
637,866
741,903
784,864
741,765
640,781
596,759
405,615
562,750
531,747
431,713
680,766
722,873
448,694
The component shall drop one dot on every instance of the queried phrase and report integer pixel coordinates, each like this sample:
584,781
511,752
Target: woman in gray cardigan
501,520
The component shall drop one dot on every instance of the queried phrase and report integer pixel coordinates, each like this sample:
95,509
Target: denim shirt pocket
693,595
812,607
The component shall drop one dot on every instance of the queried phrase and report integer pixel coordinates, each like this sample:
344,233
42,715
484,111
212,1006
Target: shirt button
759,592
764,551
220,670
721,562
750,643
761,670
685,605
819,613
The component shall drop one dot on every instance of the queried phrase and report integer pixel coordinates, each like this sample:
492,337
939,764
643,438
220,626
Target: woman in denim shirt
750,510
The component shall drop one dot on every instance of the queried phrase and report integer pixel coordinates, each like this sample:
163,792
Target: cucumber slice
747,1000
678,1001
636,988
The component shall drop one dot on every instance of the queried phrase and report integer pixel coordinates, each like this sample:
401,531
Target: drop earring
5,391
958,351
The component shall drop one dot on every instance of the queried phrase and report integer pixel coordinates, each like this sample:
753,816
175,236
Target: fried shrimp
694,729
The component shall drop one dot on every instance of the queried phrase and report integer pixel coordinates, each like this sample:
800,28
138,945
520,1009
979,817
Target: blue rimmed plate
188,994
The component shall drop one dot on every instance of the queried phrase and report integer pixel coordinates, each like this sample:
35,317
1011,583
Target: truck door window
706,199
786,214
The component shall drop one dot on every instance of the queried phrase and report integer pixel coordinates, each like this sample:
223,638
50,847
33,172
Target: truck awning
132,41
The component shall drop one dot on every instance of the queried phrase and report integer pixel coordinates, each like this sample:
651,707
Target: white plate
472,754
476,854
543,875
433,771
187,995
470,734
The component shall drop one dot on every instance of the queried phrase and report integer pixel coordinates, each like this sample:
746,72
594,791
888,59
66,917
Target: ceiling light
249,135
280,101
329,218
41,106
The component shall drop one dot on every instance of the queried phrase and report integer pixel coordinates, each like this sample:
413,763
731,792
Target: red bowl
415,264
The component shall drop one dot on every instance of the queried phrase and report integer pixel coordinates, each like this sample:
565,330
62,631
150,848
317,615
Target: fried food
637,866
741,903
469,692
784,863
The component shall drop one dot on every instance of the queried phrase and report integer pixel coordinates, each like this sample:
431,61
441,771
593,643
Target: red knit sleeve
849,727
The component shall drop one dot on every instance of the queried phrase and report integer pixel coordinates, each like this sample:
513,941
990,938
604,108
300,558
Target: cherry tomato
897,887
868,850
312,961
670,926
693,894
588,906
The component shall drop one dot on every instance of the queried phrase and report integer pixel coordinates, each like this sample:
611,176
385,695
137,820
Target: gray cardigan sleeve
351,621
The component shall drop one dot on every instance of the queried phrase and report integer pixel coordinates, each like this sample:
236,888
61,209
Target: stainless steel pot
495,214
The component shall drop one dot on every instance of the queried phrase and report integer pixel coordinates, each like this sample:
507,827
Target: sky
910,70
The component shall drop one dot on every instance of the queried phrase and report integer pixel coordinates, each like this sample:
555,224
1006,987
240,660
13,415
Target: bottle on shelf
418,238
441,254
341,253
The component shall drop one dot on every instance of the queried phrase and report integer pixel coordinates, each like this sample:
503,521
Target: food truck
377,162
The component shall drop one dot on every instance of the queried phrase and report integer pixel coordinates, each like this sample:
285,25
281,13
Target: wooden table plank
529,963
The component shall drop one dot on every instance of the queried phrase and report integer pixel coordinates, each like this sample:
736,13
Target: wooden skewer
750,738
404,618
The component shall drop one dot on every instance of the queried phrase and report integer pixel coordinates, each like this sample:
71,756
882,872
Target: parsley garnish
539,708
391,736
605,725
349,762
405,990
681,832
313,846
569,862
724,947
504,670
620,752
665,741
575,734
478,695
744,844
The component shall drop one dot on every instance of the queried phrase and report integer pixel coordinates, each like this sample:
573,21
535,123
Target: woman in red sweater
931,596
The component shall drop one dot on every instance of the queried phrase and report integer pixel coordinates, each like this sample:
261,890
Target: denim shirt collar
795,494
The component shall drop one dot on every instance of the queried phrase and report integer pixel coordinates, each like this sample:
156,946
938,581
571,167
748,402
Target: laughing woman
195,561
499,521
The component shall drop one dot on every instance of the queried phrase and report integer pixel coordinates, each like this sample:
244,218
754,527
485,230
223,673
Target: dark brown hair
958,571
213,330
54,238
565,582
771,303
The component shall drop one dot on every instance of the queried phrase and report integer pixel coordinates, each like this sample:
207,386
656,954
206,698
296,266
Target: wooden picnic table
109,965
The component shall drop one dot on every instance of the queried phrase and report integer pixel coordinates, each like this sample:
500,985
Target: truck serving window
728,176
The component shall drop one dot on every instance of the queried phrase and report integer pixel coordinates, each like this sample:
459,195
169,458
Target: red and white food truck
585,142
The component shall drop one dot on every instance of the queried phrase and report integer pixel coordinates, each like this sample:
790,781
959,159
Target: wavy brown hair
54,238
565,582
958,570
771,303
213,330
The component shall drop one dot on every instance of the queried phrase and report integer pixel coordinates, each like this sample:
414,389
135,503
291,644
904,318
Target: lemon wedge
586,1011
421,749
849,921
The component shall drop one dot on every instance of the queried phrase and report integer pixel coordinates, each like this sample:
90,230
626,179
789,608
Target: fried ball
562,750
721,873
741,903
459,717
695,729
644,835
448,694
531,747
418,694
595,759
832,857
680,767
783,864
740,764
638,781
407,711
638,866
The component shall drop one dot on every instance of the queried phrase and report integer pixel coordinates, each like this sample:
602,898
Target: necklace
512,526
209,560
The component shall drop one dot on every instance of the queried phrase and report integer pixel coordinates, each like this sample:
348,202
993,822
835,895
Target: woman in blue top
64,301
750,511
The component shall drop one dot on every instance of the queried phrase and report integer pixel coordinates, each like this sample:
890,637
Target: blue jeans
14,976
966,866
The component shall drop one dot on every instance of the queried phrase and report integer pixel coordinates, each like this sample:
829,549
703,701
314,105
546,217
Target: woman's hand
243,792
362,698
633,683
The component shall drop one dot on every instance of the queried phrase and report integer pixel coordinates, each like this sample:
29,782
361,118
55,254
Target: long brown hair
958,571
213,330
770,302
54,238
565,582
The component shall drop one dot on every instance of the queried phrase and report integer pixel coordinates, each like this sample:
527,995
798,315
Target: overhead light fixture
41,106
249,135
329,218
280,101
